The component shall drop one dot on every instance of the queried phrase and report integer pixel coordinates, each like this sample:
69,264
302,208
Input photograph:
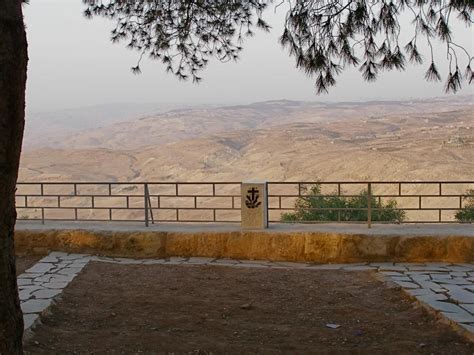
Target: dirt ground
25,262
113,308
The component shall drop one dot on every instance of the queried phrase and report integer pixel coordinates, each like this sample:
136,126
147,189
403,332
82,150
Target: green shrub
314,207
466,214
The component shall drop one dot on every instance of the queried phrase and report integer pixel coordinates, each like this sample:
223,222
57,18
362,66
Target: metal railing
149,202
367,202
210,202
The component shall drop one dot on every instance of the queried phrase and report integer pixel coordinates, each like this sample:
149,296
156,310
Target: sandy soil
198,309
25,262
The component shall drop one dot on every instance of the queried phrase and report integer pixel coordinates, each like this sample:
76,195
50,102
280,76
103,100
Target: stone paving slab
41,283
447,289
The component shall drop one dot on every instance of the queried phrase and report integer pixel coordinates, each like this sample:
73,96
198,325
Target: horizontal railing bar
238,209
366,182
235,196
365,208
230,221
80,220
84,208
191,221
404,182
126,220
187,195
120,195
132,208
131,183
364,196
363,222
239,183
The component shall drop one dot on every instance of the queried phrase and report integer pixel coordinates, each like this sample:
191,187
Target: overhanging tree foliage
324,37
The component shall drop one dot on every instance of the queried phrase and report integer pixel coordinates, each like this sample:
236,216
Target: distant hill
275,140
47,128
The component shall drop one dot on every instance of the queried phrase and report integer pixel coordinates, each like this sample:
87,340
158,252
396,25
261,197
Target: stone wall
317,247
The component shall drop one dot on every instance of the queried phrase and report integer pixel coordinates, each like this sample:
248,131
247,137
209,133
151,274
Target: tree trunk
13,64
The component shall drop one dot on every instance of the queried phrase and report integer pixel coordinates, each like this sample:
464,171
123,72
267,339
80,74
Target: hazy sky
74,64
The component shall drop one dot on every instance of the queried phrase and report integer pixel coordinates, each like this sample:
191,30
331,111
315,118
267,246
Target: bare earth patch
25,262
133,308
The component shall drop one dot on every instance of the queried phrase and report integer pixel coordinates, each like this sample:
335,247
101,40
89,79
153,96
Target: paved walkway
448,289
465,230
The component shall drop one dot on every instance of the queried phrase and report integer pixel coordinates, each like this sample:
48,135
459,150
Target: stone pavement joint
41,283
446,289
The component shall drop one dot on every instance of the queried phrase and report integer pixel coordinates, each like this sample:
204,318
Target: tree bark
13,66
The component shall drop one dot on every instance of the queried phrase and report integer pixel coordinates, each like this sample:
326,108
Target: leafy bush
315,207
466,214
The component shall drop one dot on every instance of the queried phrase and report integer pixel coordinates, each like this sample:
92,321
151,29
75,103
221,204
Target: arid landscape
232,177
274,140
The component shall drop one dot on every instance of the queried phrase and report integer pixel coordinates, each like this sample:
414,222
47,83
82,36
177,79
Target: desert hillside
275,140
